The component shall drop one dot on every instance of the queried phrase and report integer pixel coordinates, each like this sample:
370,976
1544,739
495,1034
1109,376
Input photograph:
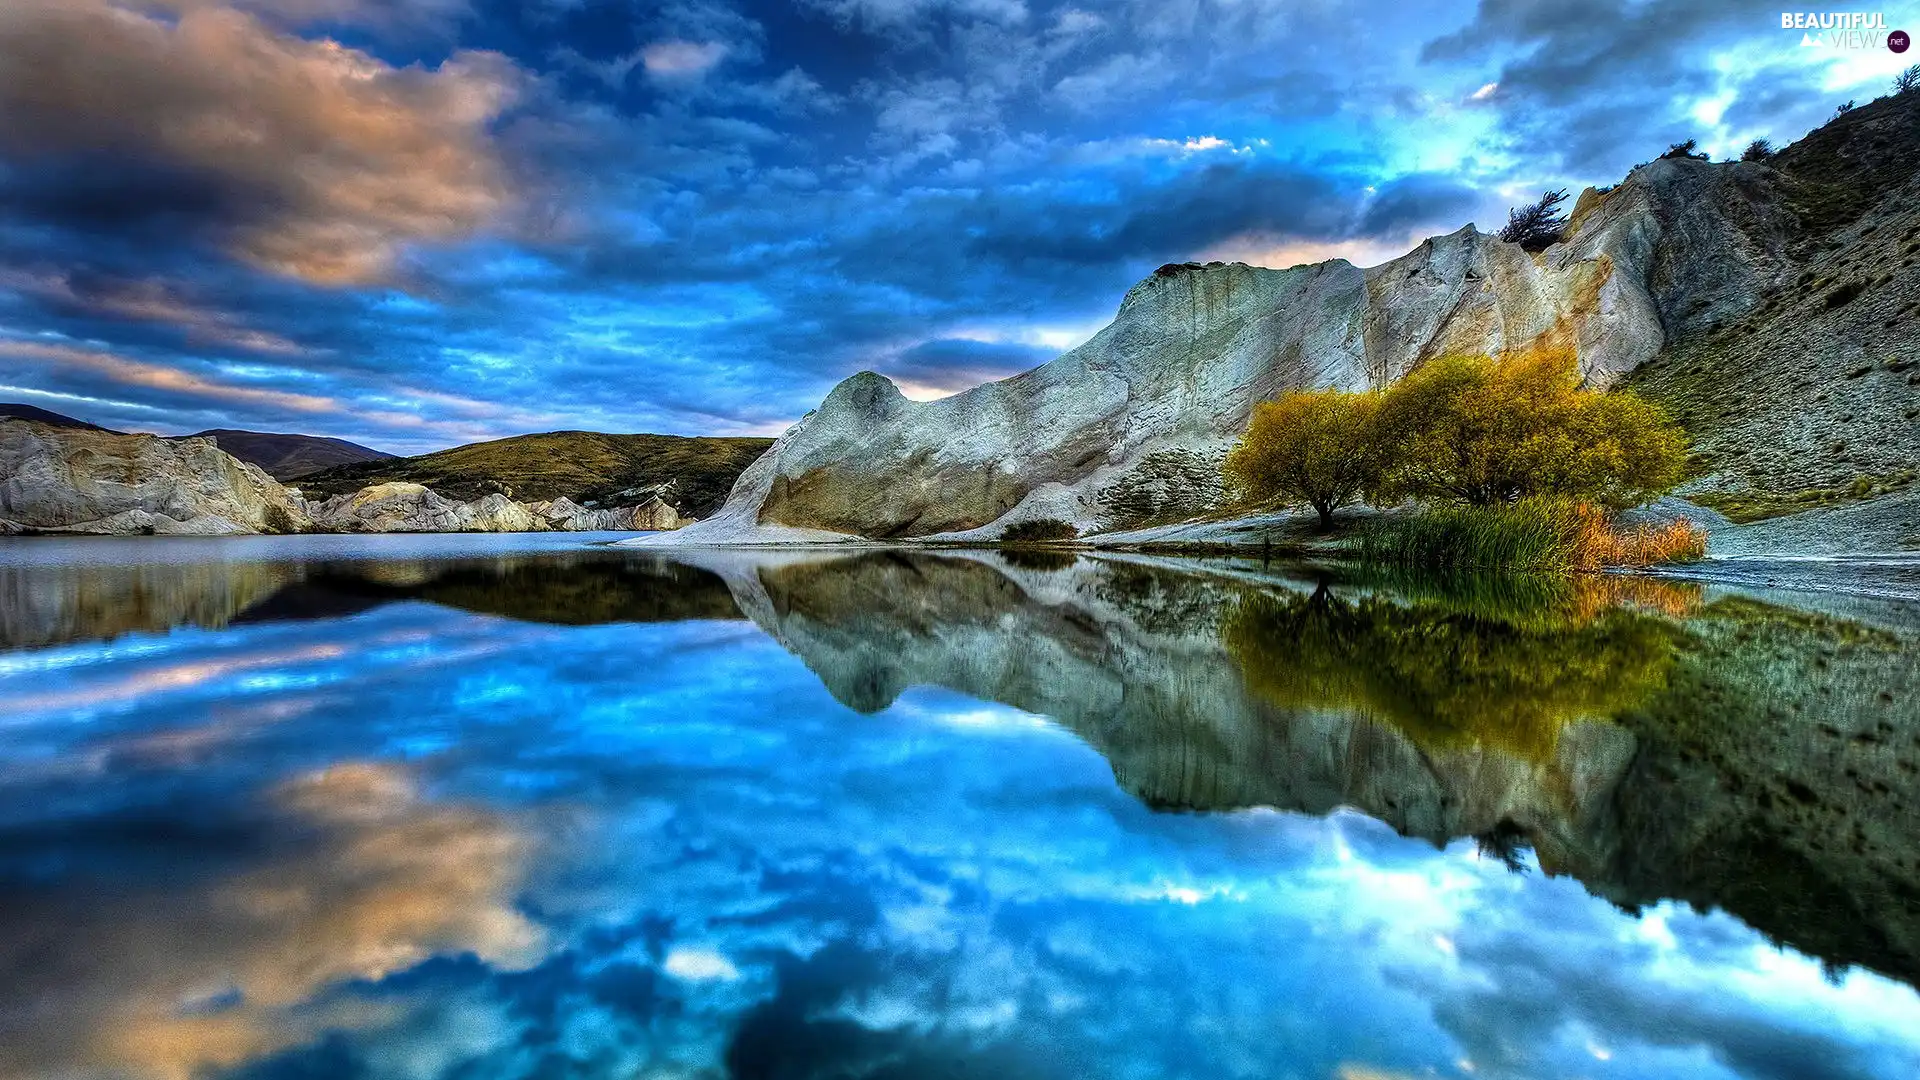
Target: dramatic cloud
304,158
696,216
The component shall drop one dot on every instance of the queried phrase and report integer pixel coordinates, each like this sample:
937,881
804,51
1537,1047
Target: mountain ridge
289,456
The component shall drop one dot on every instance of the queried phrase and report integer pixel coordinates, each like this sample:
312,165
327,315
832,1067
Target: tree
1757,150
1907,80
1487,431
1539,225
1312,447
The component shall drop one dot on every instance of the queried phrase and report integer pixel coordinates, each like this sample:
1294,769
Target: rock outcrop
406,507
564,514
80,481
401,507
1129,428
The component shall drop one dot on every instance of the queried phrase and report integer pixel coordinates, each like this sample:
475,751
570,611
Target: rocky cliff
1130,426
77,480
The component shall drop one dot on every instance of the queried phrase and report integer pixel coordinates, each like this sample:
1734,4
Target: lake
519,806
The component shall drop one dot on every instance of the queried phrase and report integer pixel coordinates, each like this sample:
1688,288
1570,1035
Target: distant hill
692,474
287,457
18,411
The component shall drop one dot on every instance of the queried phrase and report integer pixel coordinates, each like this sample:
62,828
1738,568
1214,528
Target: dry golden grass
1598,542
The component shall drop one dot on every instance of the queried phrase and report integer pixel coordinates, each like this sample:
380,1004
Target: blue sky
425,223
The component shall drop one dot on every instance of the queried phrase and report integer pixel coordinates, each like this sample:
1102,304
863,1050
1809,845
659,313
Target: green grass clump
1532,534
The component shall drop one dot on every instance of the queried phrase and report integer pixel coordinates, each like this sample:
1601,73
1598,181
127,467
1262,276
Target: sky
420,223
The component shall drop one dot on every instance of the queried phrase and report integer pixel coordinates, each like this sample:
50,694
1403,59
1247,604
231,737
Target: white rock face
404,507
1132,425
564,514
65,480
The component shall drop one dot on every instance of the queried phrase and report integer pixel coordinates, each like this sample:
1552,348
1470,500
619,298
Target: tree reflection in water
1498,662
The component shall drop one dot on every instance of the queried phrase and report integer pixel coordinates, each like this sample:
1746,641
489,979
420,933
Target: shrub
1039,531
1683,149
1487,431
1312,447
1538,225
1843,110
1534,534
1907,80
1757,150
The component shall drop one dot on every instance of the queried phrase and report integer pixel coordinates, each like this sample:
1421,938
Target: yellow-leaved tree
1485,431
1317,447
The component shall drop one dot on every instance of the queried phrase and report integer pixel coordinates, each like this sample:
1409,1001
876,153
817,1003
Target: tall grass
1533,534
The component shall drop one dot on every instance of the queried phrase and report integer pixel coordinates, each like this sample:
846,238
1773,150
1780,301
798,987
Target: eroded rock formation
75,480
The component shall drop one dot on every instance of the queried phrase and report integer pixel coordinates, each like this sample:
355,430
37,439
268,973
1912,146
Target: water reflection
1460,669
230,952
787,815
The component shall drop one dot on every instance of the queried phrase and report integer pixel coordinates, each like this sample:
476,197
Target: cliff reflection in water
1638,735
1646,738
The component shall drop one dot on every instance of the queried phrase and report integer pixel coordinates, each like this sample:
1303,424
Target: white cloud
699,965
681,59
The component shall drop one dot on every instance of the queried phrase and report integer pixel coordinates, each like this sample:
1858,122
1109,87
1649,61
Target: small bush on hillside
1907,80
1757,150
1039,531
1538,225
1683,150
1313,447
1844,109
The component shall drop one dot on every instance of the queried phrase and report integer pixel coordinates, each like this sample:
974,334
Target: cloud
680,59
305,158
406,19
170,378
1118,75
937,368
147,300
1592,89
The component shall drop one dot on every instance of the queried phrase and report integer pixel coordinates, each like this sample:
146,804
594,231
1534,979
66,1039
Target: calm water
475,807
